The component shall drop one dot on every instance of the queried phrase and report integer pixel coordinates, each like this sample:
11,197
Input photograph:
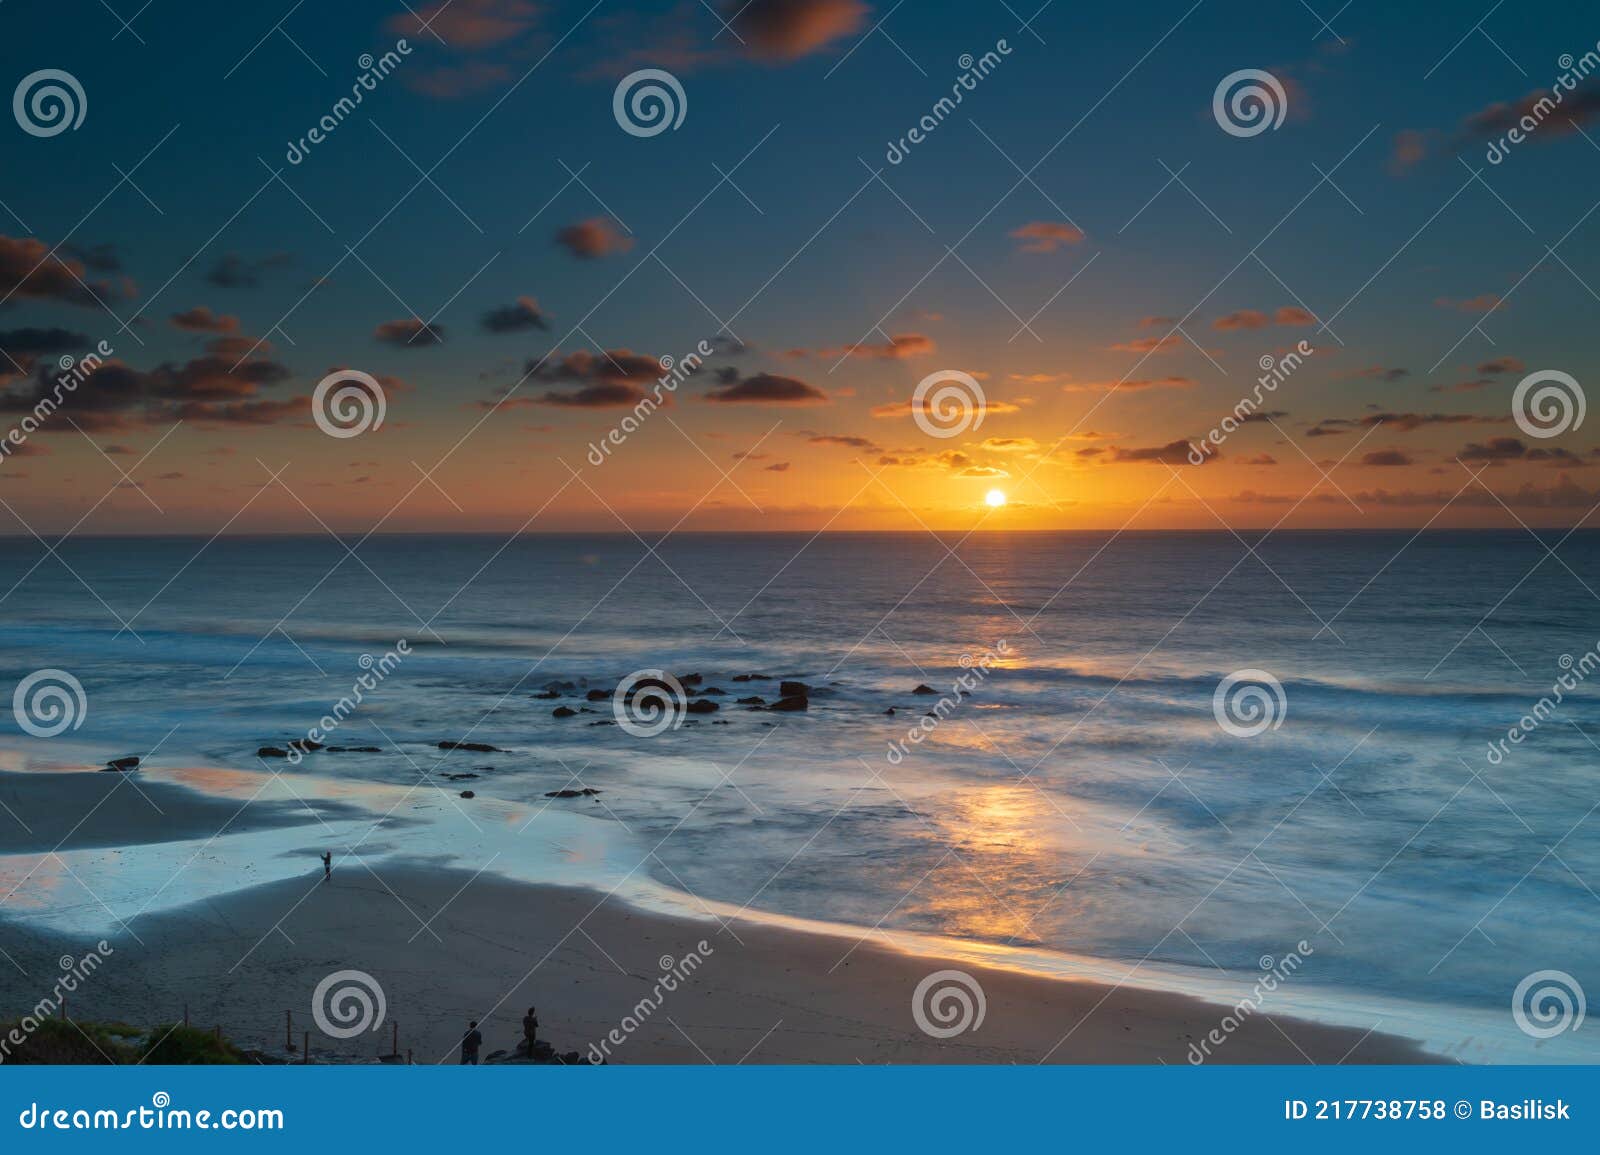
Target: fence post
288,1030
396,1051
307,1057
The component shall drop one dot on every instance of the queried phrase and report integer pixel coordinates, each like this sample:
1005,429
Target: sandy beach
447,946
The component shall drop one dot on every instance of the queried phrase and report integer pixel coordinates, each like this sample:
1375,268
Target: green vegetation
56,1041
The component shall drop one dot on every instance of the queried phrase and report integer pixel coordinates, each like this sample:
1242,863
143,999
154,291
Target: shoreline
447,945
254,895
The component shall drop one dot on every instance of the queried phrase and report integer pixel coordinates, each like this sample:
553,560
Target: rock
752,701
586,792
548,695
597,695
690,680
460,777
272,752
701,706
305,745
562,712
752,677
131,762
794,702
890,711
923,688
473,747
794,689
468,794
354,750
714,692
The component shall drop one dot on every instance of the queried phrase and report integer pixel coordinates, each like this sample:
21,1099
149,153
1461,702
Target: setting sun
995,498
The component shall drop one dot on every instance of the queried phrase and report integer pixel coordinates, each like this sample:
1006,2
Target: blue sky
1400,254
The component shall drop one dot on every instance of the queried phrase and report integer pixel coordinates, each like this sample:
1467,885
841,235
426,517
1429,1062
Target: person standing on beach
327,866
470,1042
530,1028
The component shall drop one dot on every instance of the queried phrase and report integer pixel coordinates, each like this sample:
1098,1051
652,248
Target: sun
995,498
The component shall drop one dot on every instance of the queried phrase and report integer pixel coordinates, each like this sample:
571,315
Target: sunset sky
1080,235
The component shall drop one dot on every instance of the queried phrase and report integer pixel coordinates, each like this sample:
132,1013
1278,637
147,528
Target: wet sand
447,946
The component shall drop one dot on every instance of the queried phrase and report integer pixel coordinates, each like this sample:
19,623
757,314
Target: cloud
1482,303
518,317
1563,494
1401,422
29,270
1407,150
1242,319
897,348
1157,322
1387,457
1501,365
1500,117
594,238
612,366
232,271
769,389
1167,344
1172,453
101,258
27,343
200,319
776,467
789,29
904,408
1046,236
242,412
1495,449
117,396
467,25
848,442
1380,373
604,395
1009,444
409,333
1134,385
1258,459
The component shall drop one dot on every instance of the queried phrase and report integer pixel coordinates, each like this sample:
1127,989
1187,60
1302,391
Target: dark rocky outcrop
272,752
791,703
472,747
924,688
562,712
131,762
794,689
701,706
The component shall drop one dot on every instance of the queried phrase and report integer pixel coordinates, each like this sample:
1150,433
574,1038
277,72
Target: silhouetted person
327,866
530,1028
470,1042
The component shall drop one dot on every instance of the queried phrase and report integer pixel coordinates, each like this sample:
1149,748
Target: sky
1085,249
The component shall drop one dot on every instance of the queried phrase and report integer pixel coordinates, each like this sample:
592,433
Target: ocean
1066,791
